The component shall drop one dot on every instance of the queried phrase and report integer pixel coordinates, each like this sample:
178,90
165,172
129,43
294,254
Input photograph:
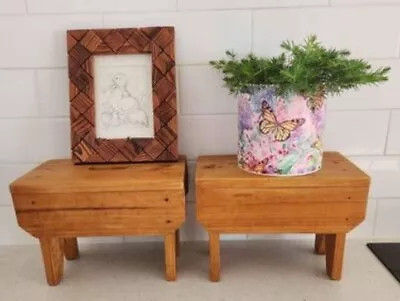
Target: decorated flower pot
280,136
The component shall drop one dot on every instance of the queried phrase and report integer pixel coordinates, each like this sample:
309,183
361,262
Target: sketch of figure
121,107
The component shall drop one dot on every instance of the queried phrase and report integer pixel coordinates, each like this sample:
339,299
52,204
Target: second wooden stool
329,203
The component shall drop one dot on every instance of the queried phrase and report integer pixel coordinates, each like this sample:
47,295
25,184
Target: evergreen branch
308,69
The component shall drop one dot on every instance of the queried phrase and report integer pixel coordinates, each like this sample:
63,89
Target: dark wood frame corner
83,45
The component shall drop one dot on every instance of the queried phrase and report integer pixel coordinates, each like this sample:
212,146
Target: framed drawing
122,95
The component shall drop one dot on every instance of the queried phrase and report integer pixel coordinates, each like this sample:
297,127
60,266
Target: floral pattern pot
280,136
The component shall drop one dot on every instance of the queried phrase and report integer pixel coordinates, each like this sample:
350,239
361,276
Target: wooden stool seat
328,203
59,201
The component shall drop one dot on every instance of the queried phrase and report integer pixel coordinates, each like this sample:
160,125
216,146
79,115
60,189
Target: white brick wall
393,144
12,7
385,96
241,4
17,88
200,36
34,124
355,28
98,6
52,92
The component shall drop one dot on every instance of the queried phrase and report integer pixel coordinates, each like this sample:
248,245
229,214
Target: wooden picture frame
84,46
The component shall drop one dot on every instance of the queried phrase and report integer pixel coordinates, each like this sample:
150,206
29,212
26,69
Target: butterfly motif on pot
280,130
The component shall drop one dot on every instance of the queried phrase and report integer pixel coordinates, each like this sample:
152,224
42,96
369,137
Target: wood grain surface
215,256
320,244
335,244
59,198
231,200
223,172
53,258
71,249
328,203
83,45
170,256
59,201
102,222
61,176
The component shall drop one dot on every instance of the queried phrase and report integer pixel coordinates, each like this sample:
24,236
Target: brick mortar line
387,133
176,9
26,7
255,8
95,13
398,46
375,219
203,64
234,114
252,31
36,118
328,5
230,114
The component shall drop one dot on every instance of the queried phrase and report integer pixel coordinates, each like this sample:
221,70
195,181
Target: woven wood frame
82,46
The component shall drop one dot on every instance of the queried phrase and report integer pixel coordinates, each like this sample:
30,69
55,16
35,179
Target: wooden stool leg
71,250
215,264
170,256
177,243
53,258
334,255
320,244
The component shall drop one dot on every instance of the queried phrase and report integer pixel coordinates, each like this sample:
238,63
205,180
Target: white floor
268,270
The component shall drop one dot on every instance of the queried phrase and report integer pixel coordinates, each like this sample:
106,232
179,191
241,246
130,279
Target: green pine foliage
309,69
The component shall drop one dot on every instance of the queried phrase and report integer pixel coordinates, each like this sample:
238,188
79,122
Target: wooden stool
58,202
329,203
